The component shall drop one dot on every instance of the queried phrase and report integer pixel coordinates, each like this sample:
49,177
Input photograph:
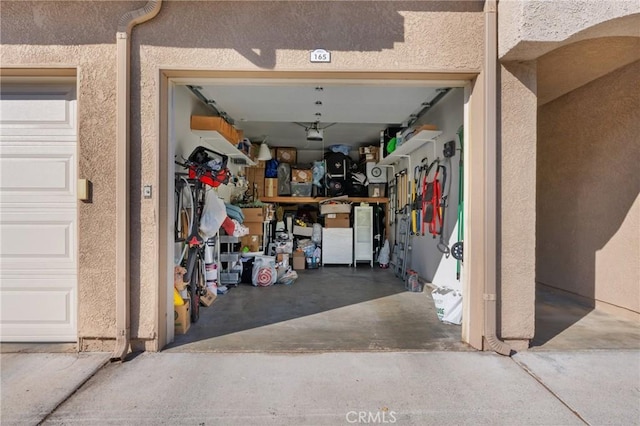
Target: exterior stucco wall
588,212
516,199
530,28
253,36
90,48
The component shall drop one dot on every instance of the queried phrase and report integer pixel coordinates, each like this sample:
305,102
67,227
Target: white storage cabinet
363,234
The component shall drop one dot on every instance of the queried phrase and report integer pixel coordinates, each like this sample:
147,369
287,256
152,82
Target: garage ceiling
354,112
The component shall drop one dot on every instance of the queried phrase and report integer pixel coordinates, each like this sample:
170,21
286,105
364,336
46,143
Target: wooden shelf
220,144
311,200
418,140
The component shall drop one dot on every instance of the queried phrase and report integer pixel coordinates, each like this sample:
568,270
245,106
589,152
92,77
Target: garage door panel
35,241
38,213
40,307
28,110
38,174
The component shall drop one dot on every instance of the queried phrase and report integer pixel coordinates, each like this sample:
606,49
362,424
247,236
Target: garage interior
347,305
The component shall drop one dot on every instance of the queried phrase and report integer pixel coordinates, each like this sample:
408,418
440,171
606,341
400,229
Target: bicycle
204,169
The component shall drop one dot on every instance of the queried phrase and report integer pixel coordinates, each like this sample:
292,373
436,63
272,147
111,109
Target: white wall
426,259
185,105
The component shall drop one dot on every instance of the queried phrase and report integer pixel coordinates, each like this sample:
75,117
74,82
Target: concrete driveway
412,388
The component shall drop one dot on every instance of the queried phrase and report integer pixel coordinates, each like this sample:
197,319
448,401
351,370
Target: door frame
474,171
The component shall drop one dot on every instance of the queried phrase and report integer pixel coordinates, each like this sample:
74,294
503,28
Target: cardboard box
255,180
218,124
286,155
182,317
253,214
305,231
271,187
336,220
298,260
253,242
370,153
208,298
255,228
426,127
377,190
301,175
335,208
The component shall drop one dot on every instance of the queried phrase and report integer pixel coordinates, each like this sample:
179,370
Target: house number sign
320,55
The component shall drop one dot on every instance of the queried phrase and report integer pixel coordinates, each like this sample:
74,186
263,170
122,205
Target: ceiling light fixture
265,153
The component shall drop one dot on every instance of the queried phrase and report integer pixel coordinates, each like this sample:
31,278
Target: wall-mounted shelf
418,140
220,144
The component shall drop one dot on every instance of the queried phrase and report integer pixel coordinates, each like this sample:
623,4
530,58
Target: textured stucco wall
377,36
530,28
55,38
363,36
588,212
569,67
516,199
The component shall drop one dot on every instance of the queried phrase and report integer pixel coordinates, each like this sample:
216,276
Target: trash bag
213,214
448,305
288,277
318,173
383,257
316,233
264,271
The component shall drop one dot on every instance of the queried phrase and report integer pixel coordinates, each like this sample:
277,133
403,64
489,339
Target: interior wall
588,190
426,259
186,105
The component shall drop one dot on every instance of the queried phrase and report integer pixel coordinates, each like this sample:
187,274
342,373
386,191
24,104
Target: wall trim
473,317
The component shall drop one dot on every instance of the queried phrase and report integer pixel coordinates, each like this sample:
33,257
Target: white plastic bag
264,271
383,256
213,214
448,305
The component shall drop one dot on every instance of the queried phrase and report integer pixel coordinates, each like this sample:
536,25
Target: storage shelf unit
227,276
220,144
305,200
418,140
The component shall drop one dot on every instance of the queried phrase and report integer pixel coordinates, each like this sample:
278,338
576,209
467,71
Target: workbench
314,200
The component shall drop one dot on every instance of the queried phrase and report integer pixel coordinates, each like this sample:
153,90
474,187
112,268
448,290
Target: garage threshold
334,308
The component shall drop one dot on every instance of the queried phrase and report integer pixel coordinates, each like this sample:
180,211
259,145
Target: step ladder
402,247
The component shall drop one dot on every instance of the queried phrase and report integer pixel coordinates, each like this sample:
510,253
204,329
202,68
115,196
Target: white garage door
38,213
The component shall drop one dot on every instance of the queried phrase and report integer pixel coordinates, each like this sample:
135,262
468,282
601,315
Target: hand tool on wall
443,204
457,247
414,201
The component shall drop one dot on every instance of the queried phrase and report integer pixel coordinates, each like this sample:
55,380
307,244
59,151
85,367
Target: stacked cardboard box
336,220
298,260
301,175
370,153
286,155
218,124
255,179
254,220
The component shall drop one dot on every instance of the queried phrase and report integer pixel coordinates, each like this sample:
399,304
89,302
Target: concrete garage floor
334,308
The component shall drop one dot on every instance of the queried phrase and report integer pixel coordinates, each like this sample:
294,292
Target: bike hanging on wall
205,168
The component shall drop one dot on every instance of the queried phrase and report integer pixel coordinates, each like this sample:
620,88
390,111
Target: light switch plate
147,191
83,190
